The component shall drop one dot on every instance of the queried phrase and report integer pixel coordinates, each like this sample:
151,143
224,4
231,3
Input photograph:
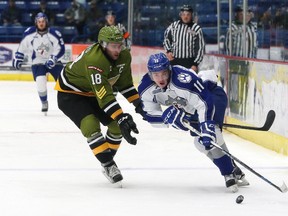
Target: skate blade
242,181
45,113
119,184
233,188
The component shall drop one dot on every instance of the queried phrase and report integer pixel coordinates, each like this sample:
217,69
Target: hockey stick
282,189
268,123
29,65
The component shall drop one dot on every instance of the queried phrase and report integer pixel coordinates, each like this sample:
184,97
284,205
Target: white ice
47,168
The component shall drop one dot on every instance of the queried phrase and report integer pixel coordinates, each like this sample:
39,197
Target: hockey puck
239,199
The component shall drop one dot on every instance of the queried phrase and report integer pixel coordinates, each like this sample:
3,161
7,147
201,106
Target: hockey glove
18,60
194,122
51,62
174,117
126,124
207,134
139,108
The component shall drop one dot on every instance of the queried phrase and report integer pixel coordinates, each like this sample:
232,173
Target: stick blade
269,120
284,188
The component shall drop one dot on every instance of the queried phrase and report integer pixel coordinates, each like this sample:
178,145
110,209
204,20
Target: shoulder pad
55,32
145,82
183,77
29,30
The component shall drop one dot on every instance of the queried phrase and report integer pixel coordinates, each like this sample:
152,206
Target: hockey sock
224,164
113,142
100,148
41,85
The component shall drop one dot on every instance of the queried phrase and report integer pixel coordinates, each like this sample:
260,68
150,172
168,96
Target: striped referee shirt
237,40
185,41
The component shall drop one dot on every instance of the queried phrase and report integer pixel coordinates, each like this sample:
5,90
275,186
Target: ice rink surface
47,168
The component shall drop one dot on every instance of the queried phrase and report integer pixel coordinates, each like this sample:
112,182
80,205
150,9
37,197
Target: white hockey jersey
39,47
186,90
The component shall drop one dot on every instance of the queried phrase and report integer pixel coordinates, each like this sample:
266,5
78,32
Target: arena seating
151,18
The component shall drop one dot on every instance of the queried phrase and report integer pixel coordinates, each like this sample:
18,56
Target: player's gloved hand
139,108
18,60
194,122
175,117
207,134
126,124
51,62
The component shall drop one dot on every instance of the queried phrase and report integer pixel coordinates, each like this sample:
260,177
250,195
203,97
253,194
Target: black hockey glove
126,124
139,108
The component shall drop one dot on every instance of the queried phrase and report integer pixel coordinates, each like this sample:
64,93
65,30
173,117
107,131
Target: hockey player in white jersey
45,47
187,96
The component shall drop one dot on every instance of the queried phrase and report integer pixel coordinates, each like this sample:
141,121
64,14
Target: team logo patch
95,68
184,78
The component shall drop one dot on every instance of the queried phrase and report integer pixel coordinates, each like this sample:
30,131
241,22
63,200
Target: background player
86,96
45,46
189,97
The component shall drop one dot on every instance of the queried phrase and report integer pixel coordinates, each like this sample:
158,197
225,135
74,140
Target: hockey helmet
110,13
110,34
238,8
39,16
158,62
187,8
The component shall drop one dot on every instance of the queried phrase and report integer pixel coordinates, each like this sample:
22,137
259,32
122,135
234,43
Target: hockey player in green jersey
86,96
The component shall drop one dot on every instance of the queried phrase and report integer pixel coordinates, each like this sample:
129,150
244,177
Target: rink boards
253,87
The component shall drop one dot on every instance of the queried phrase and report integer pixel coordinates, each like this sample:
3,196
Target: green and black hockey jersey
94,74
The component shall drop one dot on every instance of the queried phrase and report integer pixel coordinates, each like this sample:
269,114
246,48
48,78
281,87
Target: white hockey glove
51,62
207,134
18,60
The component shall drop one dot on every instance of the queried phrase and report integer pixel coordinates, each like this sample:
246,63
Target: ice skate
44,107
240,177
113,174
230,182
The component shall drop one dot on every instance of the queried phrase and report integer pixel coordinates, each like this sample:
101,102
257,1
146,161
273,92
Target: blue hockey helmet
39,16
158,62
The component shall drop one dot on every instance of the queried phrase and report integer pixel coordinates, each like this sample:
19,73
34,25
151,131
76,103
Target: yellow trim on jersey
116,113
132,98
113,146
101,93
101,148
87,94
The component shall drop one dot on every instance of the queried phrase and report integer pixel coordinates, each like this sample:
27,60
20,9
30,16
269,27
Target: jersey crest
178,101
43,49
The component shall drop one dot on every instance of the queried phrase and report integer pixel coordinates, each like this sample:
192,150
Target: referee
237,29
183,40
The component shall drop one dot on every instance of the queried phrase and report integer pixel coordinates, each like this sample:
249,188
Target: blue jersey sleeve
145,83
57,34
189,81
28,31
